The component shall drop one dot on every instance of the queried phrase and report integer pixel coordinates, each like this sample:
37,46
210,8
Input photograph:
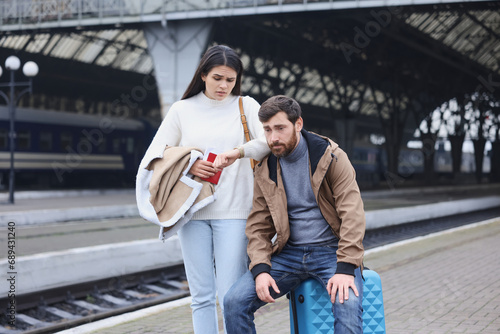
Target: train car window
84,145
4,139
130,145
46,143
116,145
356,156
372,158
102,146
66,140
23,140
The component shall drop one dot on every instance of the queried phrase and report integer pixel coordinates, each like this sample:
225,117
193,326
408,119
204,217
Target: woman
207,117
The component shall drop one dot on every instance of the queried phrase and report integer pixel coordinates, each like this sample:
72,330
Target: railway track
62,308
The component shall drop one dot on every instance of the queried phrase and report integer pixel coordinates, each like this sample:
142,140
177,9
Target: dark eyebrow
221,76
275,126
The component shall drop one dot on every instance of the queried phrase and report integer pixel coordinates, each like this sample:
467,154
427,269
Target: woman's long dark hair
218,55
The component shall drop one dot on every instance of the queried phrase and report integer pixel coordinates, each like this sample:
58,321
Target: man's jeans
289,268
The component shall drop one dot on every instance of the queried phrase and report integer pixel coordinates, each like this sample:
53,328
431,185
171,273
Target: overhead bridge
45,14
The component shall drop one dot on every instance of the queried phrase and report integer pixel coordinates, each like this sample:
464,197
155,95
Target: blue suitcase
311,308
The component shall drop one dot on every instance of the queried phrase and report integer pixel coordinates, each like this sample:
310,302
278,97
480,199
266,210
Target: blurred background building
409,89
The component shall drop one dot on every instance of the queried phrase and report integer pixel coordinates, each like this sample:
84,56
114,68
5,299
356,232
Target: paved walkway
60,220
442,283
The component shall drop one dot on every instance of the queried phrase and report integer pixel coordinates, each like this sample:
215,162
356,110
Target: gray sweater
307,225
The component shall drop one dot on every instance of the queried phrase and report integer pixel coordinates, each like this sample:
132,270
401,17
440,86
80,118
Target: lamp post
30,69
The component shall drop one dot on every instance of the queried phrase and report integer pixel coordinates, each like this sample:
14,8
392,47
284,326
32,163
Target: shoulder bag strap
244,120
245,128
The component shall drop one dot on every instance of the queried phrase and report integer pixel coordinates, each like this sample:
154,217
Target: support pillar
346,129
176,49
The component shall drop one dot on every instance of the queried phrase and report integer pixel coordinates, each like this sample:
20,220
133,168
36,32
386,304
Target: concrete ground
442,283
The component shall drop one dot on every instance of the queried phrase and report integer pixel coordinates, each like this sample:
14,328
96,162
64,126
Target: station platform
99,232
49,221
446,282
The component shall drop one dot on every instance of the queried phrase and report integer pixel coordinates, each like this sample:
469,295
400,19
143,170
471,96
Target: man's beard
284,149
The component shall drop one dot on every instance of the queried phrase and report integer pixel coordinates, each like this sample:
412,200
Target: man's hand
341,283
203,169
226,159
262,283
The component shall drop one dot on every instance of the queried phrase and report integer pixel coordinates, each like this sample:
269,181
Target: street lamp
30,69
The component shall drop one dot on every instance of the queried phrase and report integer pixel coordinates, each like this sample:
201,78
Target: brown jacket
335,188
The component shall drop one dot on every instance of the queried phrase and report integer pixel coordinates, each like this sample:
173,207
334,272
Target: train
65,150
69,150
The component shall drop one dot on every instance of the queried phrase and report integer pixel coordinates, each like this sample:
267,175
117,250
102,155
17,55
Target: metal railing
37,12
33,14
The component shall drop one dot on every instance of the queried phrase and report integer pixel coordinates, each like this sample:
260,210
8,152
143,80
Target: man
307,221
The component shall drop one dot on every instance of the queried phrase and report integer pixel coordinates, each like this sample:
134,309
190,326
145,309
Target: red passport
214,179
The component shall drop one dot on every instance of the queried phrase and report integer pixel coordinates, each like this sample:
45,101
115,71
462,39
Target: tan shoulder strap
244,120
245,129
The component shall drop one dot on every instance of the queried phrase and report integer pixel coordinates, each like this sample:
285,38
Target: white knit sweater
205,123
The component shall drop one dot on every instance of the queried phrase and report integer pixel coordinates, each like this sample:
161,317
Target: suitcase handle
294,310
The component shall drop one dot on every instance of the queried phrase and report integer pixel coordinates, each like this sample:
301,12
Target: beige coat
172,196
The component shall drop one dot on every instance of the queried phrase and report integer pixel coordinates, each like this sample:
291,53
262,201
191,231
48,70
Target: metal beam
97,18
465,65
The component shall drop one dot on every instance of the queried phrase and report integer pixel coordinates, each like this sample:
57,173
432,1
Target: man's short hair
278,103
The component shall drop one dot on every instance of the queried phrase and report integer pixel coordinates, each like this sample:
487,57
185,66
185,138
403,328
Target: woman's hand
226,159
203,169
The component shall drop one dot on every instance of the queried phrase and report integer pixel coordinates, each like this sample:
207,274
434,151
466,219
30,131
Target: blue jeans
289,268
215,256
